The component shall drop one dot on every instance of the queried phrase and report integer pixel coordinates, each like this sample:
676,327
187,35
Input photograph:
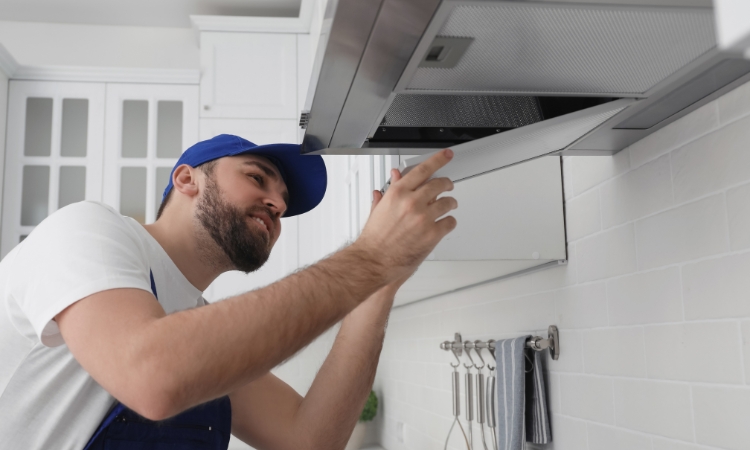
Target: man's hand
403,227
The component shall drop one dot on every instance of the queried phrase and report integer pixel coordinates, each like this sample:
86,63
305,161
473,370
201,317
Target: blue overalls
204,427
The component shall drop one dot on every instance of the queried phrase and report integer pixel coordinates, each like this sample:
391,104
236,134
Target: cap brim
305,175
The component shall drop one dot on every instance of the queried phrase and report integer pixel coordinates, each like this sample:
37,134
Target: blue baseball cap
305,175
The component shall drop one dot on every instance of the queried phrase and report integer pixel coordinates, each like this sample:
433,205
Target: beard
246,248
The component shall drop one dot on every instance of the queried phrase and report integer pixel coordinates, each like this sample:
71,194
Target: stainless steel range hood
413,76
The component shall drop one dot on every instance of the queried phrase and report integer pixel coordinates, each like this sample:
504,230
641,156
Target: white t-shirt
47,400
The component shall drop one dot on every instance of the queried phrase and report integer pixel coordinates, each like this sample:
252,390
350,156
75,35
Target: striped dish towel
521,396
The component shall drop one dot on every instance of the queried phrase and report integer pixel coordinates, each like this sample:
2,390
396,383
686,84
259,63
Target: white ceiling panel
152,13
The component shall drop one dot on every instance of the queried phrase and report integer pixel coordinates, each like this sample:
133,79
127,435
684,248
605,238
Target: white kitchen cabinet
54,152
147,129
325,229
249,75
258,131
109,142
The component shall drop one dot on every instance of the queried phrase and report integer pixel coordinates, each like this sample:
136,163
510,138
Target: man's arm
268,414
160,365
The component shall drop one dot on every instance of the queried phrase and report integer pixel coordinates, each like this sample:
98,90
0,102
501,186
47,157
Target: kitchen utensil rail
537,343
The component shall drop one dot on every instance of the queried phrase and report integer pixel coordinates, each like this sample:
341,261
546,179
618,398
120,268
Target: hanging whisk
480,391
469,385
456,391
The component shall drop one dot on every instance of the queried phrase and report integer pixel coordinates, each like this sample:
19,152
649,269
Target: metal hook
478,351
468,346
491,349
458,360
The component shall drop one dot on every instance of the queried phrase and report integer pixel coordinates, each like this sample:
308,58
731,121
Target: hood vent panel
582,49
466,73
506,149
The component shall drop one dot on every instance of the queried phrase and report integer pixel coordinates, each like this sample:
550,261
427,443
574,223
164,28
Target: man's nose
277,205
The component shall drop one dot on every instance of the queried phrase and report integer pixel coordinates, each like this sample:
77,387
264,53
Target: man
125,300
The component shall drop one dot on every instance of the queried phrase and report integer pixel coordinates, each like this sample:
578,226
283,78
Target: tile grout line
706,384
728,239
682,295
692,415
742,352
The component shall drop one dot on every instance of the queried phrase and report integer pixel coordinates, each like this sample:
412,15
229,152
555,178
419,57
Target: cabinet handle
206,107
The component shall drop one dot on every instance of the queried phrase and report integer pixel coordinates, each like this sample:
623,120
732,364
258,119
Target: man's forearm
237,343
335,400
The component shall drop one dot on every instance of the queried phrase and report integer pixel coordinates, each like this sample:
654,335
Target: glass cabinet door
148,127
54,149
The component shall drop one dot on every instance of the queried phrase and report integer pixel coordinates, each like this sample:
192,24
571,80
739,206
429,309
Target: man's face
241,206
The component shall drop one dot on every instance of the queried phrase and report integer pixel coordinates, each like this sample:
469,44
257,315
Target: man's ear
185,180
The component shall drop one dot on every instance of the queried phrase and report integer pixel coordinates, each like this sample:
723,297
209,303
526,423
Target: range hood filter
566,49
414,110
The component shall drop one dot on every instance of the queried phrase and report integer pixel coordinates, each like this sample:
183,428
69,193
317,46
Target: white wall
3,122
46,44
654,307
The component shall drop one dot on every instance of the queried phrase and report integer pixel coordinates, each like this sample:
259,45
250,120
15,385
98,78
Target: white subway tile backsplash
738,212
588,171
571,353
582,215
582,306
553,393
722,416
531,312
670,444
653,309
637,193
587,397
735,104
568,434
690,231
717,288
745,327
705,352
606,254
614,351
655,407
610,438
695,124
715,161
649,297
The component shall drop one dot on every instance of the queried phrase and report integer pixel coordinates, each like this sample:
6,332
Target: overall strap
153,284
119,407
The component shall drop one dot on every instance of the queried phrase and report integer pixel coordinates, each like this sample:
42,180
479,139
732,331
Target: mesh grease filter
568,49
461,111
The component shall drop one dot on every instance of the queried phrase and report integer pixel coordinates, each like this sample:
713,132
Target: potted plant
368,413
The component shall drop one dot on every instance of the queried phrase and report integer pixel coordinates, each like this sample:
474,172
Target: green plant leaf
371,408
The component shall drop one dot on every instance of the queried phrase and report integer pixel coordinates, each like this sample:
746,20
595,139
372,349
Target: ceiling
151,13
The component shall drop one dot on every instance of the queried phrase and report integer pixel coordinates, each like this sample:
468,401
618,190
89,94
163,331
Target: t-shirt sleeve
79,250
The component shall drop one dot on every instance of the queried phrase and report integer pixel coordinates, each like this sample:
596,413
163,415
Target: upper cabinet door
54,152
249,75
148,127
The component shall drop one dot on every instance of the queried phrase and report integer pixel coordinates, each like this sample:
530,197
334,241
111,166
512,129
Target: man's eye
256,177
